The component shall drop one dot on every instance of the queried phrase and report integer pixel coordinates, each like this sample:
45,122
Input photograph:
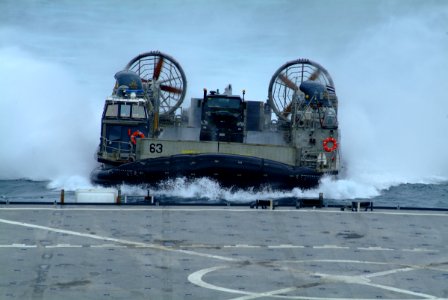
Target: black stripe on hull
228,170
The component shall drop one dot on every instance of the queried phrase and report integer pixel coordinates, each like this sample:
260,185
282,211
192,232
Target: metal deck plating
103,252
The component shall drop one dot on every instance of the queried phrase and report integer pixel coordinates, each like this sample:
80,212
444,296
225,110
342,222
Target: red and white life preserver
331,140
137,133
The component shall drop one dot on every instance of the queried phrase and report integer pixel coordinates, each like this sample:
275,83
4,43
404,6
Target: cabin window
125,111
224,103
138,111
112,110
114,133
330,121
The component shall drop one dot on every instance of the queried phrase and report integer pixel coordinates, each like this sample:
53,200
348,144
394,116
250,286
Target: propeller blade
288,82
171,89
158,69
314,75
287,109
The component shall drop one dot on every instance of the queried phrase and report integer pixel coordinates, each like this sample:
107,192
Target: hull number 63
155,148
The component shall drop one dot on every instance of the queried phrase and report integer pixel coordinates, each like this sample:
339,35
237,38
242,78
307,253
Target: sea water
205,191
388,62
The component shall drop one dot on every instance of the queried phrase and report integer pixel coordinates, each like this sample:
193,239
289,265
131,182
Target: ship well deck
111,252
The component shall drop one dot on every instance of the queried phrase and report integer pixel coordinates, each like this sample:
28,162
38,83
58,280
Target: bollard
151,199
119,197
357,205
264,204
62,197
310,202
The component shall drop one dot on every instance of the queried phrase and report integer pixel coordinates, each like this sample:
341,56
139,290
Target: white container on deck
96,195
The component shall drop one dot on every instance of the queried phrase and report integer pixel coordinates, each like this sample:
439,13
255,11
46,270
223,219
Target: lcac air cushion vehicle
291,140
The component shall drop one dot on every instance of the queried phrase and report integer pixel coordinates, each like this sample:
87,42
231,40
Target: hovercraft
147,136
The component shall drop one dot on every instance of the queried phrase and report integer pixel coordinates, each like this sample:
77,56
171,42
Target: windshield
138,112
224,102
112,110
126,110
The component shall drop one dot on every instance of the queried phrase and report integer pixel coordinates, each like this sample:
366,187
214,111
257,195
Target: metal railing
116,150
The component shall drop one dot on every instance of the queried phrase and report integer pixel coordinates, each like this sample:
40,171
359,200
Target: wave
48,127
208,190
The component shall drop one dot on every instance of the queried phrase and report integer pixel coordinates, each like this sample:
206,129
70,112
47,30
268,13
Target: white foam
70,183
210,190
48,128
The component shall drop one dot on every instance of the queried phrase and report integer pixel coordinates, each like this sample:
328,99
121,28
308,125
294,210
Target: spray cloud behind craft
388,62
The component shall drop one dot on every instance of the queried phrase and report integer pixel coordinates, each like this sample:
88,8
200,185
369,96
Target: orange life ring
330,140
137,133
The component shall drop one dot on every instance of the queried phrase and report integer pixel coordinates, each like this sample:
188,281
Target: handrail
124,151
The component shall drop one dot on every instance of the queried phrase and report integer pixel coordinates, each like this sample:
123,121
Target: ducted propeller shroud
286,81
161,74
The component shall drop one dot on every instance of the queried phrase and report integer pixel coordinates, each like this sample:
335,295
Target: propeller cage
285,85
163,79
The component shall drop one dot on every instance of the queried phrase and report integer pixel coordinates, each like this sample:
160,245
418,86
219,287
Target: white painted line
196,278
331,247
18,246
115,240
375,249
63,246
213,246
349,279
107,246
219,257
364,280
288,246
401,291
241,246
345,261
419,250
384,273
207,246
266,294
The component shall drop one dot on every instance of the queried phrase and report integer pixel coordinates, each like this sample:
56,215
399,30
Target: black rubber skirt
228,170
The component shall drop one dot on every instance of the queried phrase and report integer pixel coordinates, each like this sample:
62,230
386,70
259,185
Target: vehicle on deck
222,117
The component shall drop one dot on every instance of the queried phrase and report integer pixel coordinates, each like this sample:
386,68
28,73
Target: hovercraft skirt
228,170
